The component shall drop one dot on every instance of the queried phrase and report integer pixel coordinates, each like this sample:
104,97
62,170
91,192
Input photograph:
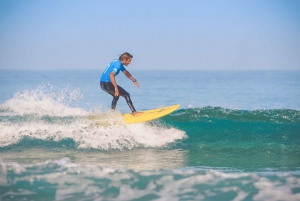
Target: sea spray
44,100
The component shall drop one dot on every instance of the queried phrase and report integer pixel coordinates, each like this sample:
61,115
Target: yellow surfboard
149,115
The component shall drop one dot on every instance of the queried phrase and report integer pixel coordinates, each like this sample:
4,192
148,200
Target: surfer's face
126,62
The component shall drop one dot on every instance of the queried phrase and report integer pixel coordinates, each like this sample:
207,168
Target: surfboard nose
149,115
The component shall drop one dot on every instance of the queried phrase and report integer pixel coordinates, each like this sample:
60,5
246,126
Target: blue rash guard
115,66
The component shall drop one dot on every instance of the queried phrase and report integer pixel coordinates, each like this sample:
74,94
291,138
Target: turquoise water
235,137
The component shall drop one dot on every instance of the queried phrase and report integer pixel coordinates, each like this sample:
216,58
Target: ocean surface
235,137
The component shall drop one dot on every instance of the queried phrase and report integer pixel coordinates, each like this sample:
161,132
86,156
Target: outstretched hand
136,84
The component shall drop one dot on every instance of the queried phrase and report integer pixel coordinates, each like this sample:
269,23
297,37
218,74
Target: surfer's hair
125,56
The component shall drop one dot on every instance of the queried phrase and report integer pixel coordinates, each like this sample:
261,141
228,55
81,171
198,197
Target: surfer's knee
116,98
127,96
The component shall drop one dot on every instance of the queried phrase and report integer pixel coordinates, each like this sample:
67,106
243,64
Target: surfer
108,81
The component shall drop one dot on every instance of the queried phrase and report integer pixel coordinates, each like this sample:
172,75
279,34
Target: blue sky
161,34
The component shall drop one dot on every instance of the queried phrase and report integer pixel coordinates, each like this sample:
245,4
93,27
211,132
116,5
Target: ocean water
236,136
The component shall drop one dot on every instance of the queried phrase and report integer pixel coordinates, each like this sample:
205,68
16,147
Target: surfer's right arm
113,81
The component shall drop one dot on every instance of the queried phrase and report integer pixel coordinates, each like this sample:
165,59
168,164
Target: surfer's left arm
131,78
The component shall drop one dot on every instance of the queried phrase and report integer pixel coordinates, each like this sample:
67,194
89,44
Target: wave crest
207,113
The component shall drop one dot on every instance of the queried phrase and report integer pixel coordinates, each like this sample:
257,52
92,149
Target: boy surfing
108,81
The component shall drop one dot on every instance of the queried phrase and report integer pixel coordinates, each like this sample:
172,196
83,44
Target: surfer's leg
114,102
126,95
109,88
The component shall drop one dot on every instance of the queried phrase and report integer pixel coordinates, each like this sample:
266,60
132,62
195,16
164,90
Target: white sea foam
91,181
270,190
88,135
47,116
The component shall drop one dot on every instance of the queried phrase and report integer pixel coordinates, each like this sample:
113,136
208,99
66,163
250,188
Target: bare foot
135,114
